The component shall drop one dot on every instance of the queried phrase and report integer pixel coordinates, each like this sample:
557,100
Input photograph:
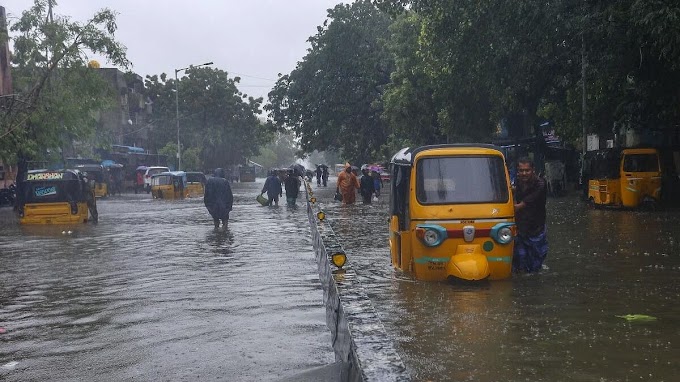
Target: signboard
45,191
593,142
45,176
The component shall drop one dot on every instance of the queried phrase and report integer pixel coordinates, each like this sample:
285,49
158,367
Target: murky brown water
559,325
155,293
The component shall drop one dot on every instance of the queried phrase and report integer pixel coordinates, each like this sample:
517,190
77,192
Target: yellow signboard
45,176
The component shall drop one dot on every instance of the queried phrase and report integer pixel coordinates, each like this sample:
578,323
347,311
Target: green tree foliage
281,151
333,98
409,105
56,94
216,119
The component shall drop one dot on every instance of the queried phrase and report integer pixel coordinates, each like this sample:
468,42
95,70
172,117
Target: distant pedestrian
218,198
377,182
139,183
366,186
292,186
531,244
91,201
319,173
272,186
347,185
324,175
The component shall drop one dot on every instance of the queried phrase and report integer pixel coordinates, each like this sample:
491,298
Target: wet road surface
559,325
153,292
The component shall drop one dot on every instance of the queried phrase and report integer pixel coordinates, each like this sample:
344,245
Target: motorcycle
8,195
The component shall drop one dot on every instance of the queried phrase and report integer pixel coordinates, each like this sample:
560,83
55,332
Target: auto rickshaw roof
89,167
405,156
170,173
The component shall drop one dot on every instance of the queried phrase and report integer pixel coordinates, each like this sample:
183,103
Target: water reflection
220,240
153,292
559,325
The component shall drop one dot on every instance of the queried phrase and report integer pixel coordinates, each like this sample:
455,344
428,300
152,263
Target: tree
409,105
281,151
522,60
56,92
216,119
332,99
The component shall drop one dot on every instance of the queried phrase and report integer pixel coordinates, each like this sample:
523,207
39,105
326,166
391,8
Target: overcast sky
256,39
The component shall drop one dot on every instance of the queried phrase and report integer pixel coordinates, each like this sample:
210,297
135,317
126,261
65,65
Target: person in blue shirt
272,186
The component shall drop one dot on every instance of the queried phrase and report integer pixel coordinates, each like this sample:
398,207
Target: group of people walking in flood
368,185
530,248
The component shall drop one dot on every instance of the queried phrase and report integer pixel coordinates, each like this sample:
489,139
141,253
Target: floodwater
560,325
154,292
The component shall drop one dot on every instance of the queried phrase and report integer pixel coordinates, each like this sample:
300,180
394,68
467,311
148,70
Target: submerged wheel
650,205
591,202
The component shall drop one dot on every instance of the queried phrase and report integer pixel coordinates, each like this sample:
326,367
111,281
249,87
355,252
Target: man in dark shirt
366,185
531,244
272,186
292,188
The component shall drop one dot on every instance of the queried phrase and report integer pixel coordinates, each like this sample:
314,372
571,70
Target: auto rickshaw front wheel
650,204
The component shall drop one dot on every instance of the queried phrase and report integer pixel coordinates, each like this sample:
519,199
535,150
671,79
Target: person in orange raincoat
347,185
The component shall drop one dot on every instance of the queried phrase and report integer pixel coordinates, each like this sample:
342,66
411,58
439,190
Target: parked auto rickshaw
195,184
95,172
168,185
624,178
54,197
452,213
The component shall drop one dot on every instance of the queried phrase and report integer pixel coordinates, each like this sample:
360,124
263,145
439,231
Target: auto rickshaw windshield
195,177
66,188
161,180
461,179
641,163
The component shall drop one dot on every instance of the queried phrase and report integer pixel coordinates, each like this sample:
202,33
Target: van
151,171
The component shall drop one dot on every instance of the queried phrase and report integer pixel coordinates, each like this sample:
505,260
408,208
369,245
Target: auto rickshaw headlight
503,232
431,234
339,259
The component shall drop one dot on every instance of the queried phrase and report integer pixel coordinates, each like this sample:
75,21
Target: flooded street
153,292
563,324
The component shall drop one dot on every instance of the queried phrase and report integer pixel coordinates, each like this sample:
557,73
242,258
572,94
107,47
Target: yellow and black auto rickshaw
195,184
168,185
452,214
95,172
54,197
627,178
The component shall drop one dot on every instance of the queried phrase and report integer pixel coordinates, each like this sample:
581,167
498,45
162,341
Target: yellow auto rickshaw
624,178
95,172
195,184
168,185
452,213
54,197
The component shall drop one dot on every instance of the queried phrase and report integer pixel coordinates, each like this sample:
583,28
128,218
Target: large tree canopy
333,98
216,119
55,93
484,61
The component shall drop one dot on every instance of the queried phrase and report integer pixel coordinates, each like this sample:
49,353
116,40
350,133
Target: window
641,163
463,179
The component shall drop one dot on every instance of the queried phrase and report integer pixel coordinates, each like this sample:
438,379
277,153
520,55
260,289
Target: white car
151,171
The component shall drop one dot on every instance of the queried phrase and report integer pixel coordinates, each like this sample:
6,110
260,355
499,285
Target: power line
249,76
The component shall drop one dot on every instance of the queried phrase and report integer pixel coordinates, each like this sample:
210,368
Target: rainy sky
256,39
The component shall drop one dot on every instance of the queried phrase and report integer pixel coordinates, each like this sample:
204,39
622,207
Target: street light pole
179,154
